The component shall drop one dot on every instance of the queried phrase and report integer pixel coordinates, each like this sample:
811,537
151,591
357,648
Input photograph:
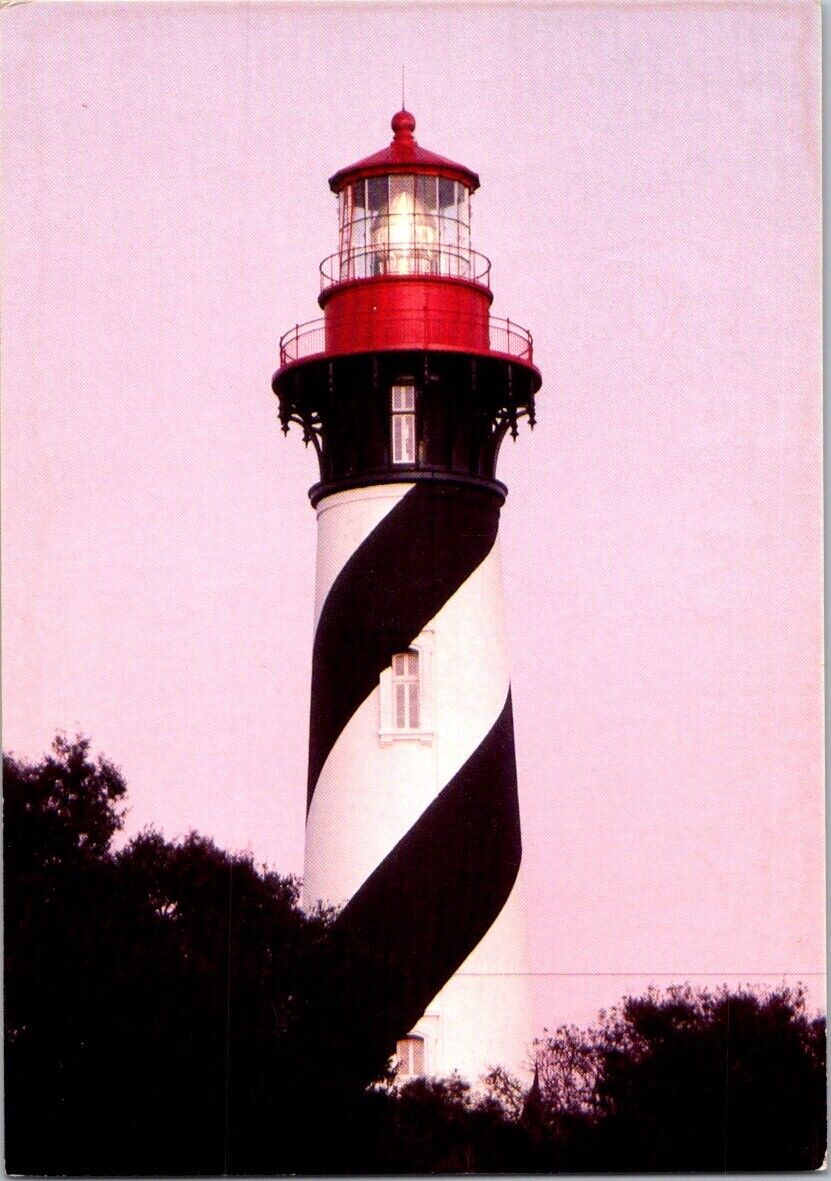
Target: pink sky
650,201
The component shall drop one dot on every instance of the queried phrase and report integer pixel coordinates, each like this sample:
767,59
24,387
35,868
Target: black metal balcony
309,339
446,262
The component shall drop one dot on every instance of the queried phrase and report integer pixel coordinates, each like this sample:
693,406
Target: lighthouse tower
406,388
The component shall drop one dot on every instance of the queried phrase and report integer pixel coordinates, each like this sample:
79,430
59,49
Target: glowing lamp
404,236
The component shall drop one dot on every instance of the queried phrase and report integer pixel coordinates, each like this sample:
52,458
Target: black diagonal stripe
393,584
430,901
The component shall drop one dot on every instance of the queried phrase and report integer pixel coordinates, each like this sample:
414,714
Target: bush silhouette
170,1010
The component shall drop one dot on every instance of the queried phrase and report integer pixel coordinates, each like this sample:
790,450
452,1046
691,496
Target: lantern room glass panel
426,192
359,231
463,206
404,224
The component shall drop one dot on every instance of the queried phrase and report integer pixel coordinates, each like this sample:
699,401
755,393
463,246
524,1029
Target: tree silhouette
171,1010
690,1080
151,995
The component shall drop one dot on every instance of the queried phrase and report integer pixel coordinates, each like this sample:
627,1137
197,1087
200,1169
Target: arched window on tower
403,423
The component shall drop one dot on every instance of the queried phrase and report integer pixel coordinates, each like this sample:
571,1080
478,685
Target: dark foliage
688,1080
170,1010
152,1012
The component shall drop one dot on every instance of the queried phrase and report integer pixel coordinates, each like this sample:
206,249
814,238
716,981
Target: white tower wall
375,784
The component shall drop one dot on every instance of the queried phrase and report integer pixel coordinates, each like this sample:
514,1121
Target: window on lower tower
406,691
410,1054
403,423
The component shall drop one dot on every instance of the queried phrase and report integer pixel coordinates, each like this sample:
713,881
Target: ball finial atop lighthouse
403,124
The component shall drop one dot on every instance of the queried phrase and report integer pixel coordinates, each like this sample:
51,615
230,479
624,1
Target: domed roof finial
403,124
403,155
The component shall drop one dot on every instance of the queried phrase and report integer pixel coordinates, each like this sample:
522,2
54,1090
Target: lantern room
408,375
404,214
404,211
404,225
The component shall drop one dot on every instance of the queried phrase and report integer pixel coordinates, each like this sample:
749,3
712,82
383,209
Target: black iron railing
304,340
418,329
448,262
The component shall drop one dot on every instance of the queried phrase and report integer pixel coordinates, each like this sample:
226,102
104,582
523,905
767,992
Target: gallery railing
415,330
416,258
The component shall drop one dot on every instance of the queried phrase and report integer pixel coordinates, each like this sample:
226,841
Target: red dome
403,156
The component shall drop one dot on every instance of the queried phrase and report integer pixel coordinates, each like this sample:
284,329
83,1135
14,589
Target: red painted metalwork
403,156
442,300
406,311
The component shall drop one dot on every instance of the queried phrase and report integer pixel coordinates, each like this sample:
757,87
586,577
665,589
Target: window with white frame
403,423
410,1054
406,691
406,694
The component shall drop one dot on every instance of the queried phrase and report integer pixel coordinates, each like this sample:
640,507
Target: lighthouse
406,388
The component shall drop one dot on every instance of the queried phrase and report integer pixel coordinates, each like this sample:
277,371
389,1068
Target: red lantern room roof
403,155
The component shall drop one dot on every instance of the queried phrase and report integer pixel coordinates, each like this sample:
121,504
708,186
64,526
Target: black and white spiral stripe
429,900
